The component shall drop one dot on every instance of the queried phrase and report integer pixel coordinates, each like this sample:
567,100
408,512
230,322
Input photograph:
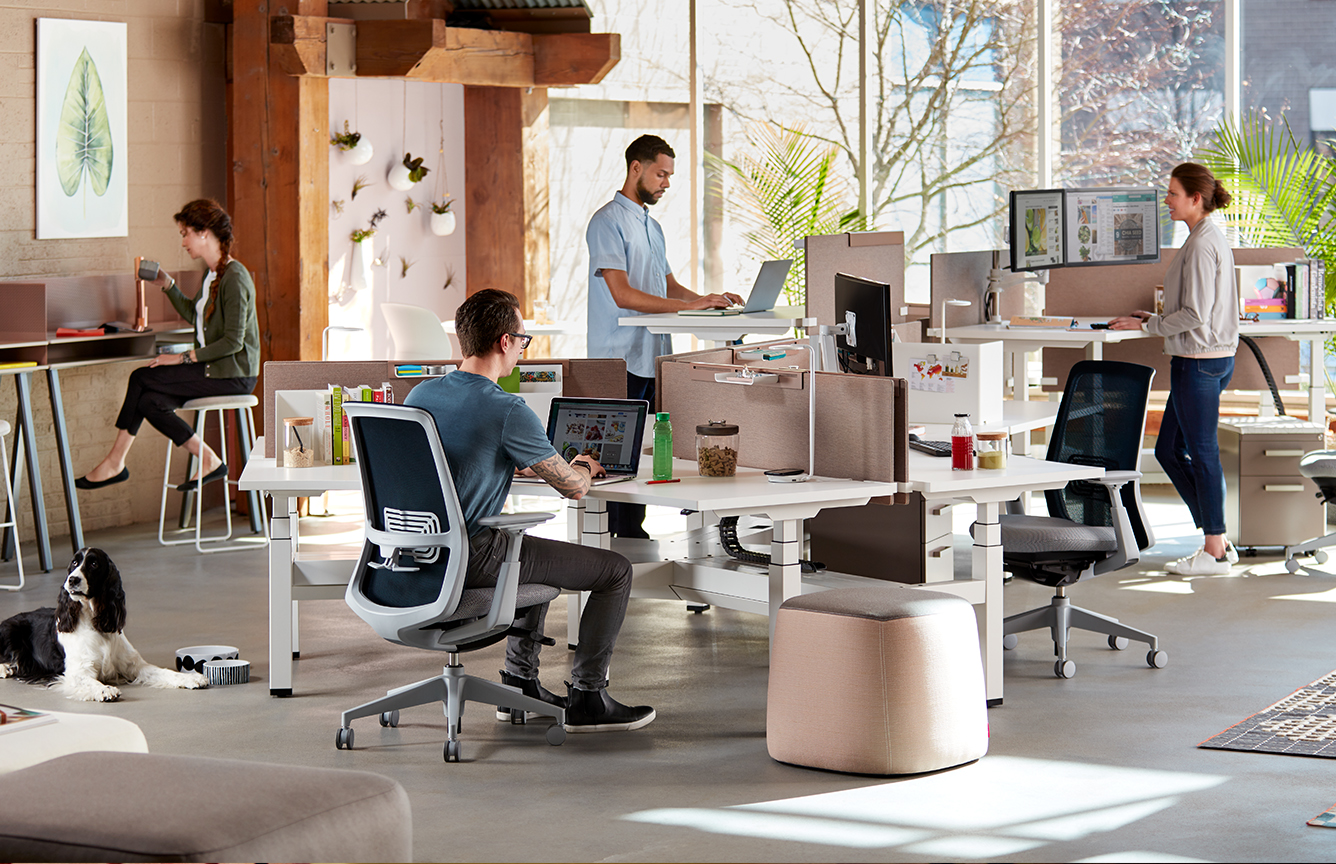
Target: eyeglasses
524,338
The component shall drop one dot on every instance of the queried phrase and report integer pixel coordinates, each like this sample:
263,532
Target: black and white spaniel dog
78,647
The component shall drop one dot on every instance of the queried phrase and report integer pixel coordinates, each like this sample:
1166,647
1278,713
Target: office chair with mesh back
1094,526
409,580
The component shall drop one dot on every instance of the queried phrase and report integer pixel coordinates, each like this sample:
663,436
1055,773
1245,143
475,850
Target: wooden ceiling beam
427,50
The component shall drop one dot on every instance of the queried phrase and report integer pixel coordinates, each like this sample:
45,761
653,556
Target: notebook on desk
610,430
765,291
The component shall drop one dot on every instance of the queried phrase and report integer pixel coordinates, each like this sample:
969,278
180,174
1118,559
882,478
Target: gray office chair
1094,526
1320,467
409,581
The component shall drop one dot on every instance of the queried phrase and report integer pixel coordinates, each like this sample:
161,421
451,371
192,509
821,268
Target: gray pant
606,575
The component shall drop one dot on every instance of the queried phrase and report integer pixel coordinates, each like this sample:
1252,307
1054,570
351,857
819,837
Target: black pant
625,520
155,392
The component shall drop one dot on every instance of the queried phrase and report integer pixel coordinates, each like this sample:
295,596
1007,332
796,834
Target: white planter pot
399,178
361,154
359,275
442,224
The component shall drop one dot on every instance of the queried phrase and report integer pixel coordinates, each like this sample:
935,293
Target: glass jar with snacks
298,442
717,449
991,450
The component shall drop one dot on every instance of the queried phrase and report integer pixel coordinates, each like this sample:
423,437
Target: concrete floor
1102,767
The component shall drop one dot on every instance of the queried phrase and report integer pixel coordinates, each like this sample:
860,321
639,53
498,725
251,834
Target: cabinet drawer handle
937,553
936,509
1282,452
1283,487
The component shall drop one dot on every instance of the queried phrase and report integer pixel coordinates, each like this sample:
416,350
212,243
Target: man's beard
646,197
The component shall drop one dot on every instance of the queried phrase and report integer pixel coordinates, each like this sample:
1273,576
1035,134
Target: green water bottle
663,447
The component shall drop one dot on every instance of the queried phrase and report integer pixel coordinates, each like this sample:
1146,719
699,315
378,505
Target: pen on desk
673,480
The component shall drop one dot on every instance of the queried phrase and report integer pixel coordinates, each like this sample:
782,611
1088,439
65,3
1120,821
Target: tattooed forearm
570,482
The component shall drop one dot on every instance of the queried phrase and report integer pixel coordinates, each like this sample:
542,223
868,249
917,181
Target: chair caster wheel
556,734
1320,557
1292,564
518,717
1010,641
390,719
451,751
1117,643
698,608
1157,659
1064,668
344,739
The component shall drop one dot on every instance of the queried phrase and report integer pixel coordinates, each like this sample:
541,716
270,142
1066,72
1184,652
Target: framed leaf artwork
81,137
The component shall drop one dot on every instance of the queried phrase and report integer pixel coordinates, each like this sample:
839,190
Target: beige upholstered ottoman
99,806
879,680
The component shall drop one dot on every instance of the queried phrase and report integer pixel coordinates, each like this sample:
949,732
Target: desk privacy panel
861,422
1116,290
601,377
876,255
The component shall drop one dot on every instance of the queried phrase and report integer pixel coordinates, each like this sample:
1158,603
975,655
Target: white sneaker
1231,554
1198,564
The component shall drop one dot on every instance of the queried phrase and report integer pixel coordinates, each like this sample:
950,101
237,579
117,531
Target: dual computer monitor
1083,227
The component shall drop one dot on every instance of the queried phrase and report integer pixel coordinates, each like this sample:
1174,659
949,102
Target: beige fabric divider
877,255
861,422
1116,290
604,378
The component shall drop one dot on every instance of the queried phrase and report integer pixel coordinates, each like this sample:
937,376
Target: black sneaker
596,711
529,687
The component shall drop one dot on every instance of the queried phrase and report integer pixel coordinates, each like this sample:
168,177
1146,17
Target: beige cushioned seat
100,806
877,680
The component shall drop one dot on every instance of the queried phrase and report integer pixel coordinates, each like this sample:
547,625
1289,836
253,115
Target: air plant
404,265
359,184
411,204
443,206
337,204
360,234
345,140
449,278
416,172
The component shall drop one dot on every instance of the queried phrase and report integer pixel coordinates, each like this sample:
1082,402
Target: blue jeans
1187,447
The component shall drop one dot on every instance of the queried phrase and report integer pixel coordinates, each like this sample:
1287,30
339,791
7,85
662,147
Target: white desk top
1061,336
719,328
932,476
1017,417
261,475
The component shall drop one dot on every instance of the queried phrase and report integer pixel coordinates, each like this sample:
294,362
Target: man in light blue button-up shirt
629,275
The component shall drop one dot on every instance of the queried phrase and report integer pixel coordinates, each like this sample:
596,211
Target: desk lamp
946,303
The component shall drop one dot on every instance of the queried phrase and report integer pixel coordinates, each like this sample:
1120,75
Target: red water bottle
962,444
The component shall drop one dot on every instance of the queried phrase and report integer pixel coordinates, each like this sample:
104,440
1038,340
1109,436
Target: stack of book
338,446
1287,290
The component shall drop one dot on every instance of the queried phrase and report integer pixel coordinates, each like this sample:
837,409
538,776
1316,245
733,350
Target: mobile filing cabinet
1267,501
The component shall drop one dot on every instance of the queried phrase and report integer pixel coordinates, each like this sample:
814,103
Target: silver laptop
610,430
765,291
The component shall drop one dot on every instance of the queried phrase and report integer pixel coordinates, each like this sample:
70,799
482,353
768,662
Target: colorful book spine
336,419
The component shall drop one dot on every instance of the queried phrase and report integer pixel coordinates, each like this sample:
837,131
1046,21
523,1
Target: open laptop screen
610,430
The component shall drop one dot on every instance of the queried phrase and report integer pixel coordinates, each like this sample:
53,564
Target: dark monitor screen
865,306
1036,234
1114,225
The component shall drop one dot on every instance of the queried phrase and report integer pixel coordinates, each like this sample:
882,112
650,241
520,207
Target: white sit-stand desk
718,329
1018,341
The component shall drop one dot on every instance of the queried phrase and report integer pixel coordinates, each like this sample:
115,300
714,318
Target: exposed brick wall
177,146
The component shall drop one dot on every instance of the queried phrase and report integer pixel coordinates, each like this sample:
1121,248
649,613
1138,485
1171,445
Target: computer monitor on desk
864,307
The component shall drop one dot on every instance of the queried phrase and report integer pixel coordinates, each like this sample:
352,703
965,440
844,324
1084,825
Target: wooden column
506,192
278,188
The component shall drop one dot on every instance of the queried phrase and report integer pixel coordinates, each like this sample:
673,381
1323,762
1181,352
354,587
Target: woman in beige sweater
1200,326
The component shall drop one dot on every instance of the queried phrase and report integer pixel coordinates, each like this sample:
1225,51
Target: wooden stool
878,680
245,427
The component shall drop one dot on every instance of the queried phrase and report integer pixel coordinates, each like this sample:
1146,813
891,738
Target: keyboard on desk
932,448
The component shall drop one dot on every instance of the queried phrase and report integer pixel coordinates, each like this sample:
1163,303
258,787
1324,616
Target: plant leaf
83,138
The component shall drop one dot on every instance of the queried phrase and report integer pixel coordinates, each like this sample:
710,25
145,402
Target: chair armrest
1114,479
506,521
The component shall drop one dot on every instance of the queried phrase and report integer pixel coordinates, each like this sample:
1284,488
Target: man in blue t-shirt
489,434
629,275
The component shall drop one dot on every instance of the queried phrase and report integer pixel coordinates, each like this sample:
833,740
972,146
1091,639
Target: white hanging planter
359,275
442,224
361,153
399,178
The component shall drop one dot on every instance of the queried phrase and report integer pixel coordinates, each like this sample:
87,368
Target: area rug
1326,819
1301,724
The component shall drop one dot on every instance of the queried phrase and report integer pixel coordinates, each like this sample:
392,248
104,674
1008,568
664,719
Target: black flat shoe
216,474
85,483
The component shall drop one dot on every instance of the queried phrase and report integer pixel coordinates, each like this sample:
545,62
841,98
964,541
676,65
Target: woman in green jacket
224,362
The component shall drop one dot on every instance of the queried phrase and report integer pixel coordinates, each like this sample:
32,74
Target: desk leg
280,597
785,572
589,516
63,453
987,565
1317,382
23,386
